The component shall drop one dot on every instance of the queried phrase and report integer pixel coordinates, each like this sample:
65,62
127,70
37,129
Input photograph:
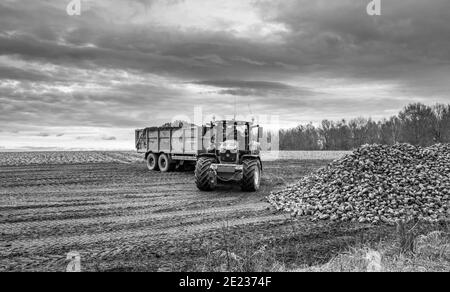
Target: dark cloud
245,84
43,135
97,137
11,73
109,138
339,38
260,89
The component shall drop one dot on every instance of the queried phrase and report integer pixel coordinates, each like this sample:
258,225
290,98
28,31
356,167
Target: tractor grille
228,157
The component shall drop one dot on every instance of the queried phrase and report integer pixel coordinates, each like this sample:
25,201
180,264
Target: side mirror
260,132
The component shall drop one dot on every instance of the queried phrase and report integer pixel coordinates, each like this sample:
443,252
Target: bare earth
121,217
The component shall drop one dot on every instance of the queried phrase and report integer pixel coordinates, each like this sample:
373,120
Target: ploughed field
121,217
78,157
67,157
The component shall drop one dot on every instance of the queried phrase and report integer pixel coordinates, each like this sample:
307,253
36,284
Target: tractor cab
234,137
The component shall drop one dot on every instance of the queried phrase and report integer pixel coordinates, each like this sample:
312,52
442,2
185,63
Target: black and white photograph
223,142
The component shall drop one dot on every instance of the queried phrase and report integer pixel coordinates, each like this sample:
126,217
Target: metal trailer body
177,145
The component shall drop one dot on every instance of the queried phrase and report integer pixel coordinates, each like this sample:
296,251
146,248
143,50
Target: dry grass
430,253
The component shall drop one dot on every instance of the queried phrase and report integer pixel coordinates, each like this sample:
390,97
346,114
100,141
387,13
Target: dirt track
123,217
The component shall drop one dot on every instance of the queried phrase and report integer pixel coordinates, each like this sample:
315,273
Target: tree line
417,124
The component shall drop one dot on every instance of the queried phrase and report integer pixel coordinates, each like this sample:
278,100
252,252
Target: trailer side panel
170,140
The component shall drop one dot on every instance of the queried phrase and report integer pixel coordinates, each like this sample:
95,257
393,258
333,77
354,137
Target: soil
122,217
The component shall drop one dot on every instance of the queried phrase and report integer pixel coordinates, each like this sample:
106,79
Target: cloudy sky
88,81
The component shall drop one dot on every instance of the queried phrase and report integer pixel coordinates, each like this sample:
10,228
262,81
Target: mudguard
212,155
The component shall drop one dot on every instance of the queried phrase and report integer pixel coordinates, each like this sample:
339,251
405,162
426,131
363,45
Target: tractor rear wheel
205,178
251,175
152,161
164,162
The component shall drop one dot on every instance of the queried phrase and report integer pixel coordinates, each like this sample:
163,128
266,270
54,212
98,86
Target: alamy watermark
374,8
74,8
74,259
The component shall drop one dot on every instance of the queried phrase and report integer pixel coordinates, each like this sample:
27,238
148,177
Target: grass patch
347,250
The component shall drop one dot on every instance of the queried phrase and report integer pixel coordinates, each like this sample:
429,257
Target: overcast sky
88,81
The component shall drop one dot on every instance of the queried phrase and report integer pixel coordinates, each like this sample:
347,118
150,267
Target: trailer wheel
152,161
205,178
164,162
251,175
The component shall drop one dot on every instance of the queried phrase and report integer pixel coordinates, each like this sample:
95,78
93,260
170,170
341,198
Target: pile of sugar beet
376,183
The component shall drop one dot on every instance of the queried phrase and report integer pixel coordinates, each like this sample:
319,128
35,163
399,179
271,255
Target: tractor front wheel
205,178
251,175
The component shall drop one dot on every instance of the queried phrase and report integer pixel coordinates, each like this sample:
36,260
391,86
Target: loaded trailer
170,146
222,151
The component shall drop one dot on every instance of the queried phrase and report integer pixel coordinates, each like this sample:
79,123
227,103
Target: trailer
167,147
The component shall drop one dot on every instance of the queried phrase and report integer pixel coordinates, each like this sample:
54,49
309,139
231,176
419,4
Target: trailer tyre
165,164
152,161
205,178
251,175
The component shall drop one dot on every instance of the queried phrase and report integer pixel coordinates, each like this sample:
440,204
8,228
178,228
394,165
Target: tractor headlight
222,148
231,146
211,147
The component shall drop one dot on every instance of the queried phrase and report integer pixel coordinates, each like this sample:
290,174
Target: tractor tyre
205,179
152,161
165,164
251,175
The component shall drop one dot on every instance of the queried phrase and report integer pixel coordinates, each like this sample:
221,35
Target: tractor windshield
236,133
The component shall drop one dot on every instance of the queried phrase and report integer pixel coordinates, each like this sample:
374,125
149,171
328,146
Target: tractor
232,156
